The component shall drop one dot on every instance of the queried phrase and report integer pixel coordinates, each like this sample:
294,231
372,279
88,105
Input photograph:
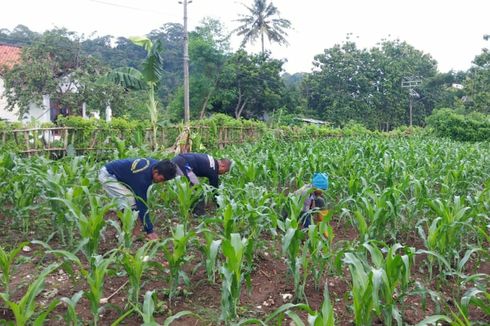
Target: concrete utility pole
411,83
186,64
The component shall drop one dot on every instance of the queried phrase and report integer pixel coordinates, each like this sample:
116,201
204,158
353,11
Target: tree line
347,83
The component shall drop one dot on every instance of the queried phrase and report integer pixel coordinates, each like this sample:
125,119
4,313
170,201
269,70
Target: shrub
471,127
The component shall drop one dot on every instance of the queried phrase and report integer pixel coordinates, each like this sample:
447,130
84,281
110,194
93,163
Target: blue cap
320,181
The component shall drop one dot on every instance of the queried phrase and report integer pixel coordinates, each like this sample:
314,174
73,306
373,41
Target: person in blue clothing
314,197
128,180
195,165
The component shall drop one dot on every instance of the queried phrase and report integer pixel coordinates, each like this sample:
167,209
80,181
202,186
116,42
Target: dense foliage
470,127
346,82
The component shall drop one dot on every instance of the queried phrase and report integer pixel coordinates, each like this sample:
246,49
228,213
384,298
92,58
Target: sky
451,31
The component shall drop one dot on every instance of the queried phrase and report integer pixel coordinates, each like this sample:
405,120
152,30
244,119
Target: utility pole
411,83
186,64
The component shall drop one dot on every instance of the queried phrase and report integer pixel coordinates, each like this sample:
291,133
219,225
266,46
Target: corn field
405,241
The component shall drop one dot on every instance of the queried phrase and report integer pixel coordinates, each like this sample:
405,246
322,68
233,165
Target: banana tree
146,79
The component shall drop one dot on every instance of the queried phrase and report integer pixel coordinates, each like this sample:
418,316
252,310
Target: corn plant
362,290
249,170
65,224
444,233
90,224
175,250
148,310
186,196
7,259
231,271
389,273
210,251
291,242
23,197
135,266
69,259
26,308
127,219
291,247
326,316
323,317
318,249
95,279
479,297
63,180
227,220
71,317
375,214
252,212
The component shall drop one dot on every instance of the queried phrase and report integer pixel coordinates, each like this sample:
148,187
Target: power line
107,3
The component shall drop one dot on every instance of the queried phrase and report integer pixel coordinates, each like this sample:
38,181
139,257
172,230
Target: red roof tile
9,55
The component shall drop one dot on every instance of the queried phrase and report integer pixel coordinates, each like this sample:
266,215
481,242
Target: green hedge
205,134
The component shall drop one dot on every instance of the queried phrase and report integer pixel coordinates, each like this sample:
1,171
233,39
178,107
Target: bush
471,127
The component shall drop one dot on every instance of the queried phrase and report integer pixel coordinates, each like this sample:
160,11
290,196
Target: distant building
313,121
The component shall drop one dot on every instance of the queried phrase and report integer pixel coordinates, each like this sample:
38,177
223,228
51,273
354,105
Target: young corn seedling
7,259
25,309
445,232
231,271
318,250
228,213
91,224
24,200
374,214
187,196
326,316
253,212
135,265
125,227
71,317
63,180
95,279
149,310
362,290
176,254
210,251
390,273
291,241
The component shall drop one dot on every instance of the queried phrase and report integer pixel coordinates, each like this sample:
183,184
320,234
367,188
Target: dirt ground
270,283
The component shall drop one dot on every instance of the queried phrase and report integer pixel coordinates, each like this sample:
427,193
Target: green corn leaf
432,320
39,321
171,319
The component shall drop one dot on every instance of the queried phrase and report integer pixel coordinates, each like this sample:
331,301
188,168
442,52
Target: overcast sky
450,30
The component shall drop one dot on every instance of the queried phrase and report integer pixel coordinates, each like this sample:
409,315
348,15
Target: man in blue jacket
194,165
128,180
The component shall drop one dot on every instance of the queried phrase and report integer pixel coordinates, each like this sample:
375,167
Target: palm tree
263,19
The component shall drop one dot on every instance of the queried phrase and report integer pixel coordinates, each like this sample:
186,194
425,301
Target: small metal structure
411,83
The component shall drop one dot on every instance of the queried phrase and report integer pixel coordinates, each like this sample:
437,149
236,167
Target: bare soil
269,283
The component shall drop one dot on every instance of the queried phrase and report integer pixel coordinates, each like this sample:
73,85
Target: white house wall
40,114
4,114
36,112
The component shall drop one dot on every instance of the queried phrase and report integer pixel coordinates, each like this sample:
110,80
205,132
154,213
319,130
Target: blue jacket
137,175
202,165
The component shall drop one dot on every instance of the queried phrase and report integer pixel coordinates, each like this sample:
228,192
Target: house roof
9,55
313,121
